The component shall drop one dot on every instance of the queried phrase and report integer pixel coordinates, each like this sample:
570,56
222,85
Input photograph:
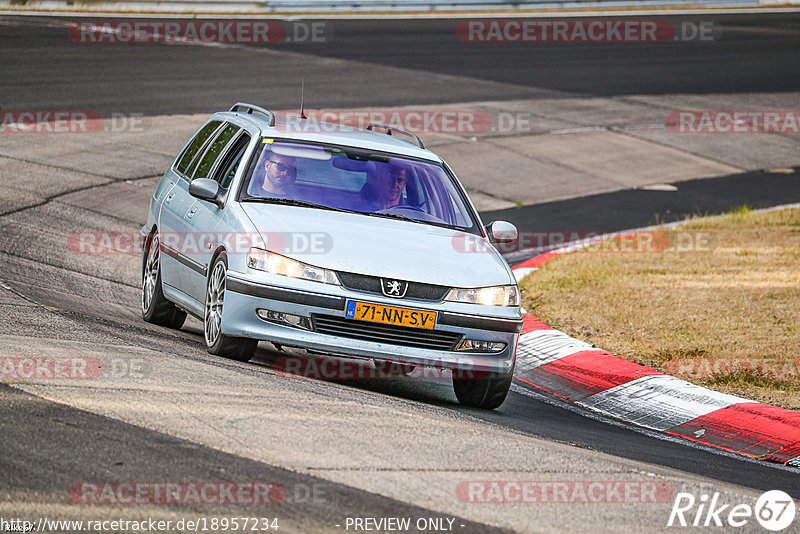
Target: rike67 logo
774,510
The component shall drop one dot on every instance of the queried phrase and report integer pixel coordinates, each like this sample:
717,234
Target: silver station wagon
343,242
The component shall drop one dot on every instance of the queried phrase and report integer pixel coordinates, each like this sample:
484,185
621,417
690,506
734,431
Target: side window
231,161
213,151
194,146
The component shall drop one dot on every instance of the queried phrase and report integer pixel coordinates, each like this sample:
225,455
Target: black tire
236,348
156,308
481,389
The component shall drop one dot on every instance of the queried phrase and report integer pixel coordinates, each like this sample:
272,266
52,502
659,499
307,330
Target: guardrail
356,6
468,5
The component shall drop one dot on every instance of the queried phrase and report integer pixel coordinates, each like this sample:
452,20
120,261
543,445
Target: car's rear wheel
156,308
236,348
481,389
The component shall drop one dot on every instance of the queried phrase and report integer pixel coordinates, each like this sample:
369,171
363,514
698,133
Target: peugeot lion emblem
394,288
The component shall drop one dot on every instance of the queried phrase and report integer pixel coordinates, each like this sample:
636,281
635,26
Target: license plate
377,313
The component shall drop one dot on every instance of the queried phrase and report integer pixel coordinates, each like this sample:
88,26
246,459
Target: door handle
169,197
191,212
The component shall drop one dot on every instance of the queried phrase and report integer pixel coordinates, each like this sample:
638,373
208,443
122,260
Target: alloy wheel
214,299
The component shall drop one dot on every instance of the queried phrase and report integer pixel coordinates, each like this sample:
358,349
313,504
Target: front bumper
244,296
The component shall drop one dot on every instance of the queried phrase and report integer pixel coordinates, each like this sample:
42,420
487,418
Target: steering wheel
425,216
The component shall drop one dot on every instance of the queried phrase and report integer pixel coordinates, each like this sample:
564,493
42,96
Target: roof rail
250,108
390,129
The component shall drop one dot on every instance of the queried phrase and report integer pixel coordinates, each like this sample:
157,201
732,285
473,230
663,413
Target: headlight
476,345
277,264
488,296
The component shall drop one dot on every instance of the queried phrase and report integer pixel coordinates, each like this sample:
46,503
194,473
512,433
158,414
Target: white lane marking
658,187
544,346
659,402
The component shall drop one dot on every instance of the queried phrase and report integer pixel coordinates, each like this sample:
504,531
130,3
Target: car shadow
423,384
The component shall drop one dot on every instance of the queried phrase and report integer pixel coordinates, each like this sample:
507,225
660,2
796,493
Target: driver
281,172
386,185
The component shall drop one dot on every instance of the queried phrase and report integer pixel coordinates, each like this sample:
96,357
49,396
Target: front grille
372,284
384,333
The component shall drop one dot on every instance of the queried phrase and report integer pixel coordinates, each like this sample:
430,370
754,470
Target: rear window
214,150
195,145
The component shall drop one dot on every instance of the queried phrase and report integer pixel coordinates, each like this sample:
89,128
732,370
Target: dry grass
726,316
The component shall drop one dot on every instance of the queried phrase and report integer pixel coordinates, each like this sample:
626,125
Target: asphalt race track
42,69
168,411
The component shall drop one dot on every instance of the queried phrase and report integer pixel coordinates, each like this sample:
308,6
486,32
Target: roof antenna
302,97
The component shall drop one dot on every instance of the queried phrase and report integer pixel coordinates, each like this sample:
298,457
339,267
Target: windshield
356,180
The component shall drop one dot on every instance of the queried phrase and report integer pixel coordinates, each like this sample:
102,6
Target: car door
219,163
177,202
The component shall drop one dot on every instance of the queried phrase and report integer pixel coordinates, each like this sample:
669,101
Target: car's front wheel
236,348
481,389
156,308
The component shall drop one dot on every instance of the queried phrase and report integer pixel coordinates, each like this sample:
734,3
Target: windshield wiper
418,221
294,202
304,204
391,216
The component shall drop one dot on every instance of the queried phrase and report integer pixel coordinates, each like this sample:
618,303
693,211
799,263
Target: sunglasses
282,167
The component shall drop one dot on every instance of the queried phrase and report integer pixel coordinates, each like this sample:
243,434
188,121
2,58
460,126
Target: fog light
476,345
286,319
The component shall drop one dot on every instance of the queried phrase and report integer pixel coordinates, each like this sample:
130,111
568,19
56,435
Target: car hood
379,247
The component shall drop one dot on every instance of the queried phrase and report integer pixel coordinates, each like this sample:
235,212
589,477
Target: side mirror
502,232
205,189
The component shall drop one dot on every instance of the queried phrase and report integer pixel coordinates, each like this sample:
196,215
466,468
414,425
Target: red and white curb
577,372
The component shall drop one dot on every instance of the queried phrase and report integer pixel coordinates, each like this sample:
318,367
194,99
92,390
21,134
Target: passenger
281,172
384,187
